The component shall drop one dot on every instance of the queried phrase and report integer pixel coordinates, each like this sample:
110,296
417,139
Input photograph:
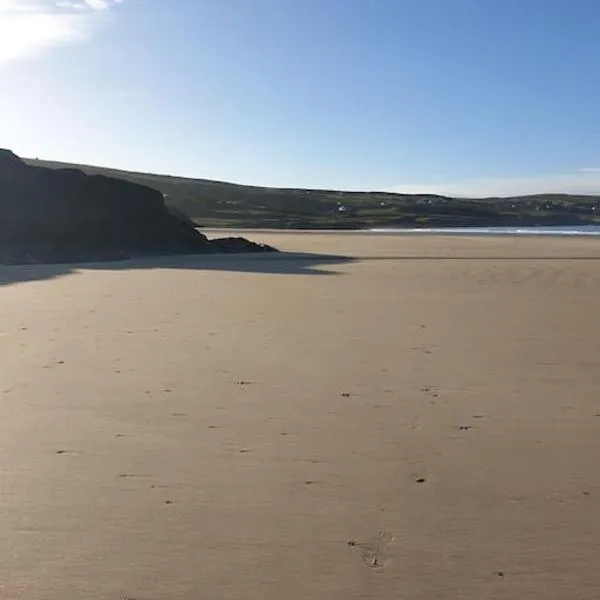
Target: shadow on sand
280,263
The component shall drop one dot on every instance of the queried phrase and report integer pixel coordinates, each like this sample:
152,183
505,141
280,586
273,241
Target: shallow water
592,230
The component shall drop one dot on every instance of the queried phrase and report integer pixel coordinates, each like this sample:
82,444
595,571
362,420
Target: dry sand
422,422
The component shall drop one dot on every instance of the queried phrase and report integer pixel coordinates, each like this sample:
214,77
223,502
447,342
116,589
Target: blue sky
458,96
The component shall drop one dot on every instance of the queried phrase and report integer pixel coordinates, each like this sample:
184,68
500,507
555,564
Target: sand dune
363,418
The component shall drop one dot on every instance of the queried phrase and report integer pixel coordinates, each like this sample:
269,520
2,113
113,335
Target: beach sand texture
418,420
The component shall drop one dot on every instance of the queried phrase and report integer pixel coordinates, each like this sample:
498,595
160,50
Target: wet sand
411,418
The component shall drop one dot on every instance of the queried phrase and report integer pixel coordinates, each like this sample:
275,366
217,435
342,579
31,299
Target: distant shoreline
534,231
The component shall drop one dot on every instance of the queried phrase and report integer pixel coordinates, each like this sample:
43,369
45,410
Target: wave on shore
591,230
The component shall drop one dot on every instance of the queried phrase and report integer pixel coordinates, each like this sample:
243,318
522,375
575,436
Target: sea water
591,230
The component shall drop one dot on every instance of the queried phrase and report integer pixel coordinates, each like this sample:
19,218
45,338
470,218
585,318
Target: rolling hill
220,204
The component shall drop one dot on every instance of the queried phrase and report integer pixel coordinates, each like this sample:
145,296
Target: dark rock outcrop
64,215
237,244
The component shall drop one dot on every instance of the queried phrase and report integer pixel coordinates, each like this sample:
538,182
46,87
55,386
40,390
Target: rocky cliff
64,215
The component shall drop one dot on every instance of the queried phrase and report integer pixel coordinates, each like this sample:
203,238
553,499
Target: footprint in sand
373,551
431,391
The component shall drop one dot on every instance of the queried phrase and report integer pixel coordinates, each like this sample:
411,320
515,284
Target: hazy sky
458,96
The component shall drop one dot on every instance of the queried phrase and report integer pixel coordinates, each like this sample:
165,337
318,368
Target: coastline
590,230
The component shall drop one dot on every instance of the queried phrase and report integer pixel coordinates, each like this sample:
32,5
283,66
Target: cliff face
64,215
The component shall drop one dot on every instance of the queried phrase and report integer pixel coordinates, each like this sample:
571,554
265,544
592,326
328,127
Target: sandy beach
372,417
